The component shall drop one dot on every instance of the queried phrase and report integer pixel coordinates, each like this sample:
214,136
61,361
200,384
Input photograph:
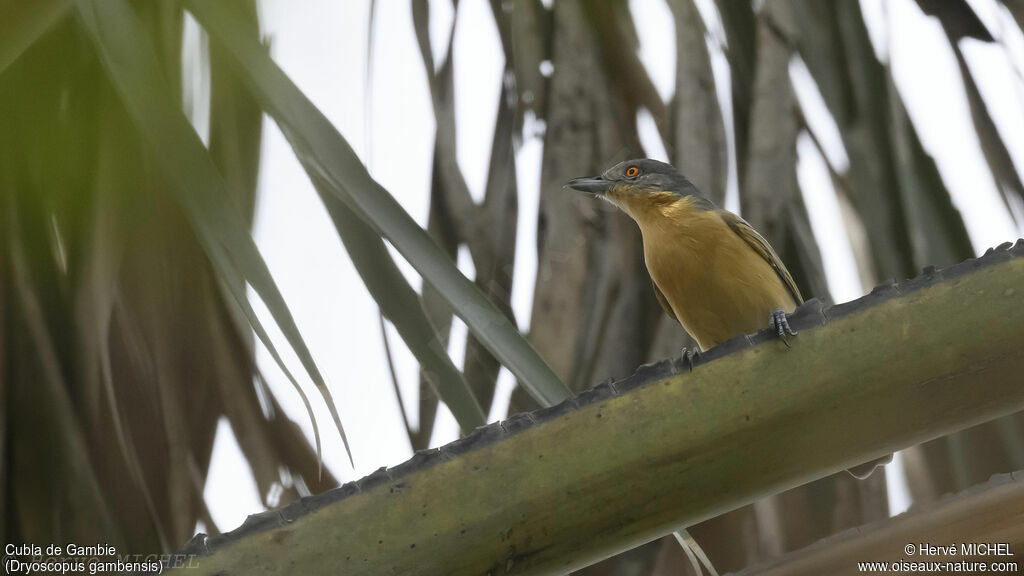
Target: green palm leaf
22,23
332,162
132,66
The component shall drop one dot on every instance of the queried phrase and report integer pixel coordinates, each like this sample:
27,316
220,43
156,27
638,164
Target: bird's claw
778,321
690,355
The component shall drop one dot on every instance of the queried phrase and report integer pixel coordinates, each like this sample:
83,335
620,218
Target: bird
711,271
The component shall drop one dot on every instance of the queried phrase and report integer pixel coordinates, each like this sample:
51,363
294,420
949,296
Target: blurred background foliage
123,340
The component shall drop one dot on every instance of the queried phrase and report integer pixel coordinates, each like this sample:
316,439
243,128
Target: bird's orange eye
632,171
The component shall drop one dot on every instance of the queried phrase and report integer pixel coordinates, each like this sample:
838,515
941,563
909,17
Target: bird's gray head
634,184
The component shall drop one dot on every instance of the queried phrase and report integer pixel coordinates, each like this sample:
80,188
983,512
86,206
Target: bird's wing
764,249
664,302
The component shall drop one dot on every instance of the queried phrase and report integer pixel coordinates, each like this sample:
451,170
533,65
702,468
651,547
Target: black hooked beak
596,186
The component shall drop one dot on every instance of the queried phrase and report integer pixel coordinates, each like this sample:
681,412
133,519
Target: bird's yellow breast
717,285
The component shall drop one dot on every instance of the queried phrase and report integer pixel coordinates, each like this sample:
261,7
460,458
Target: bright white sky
322,46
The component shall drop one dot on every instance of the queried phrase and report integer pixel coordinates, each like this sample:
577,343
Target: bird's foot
779,322
690,355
